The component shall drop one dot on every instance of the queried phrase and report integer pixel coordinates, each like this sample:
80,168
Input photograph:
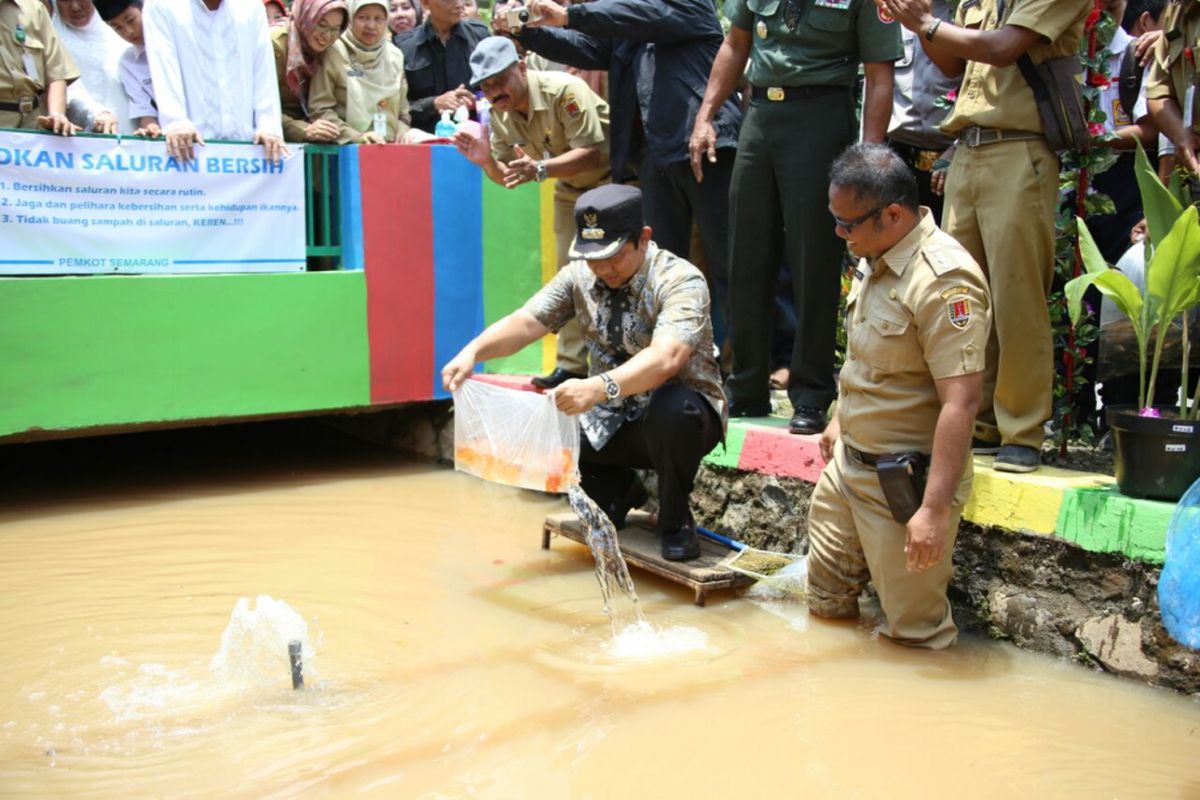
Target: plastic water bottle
445,127
483,109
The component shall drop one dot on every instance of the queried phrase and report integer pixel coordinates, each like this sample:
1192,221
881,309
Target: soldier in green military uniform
804,57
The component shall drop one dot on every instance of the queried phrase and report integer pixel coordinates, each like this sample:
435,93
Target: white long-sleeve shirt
214,70
139,89
97,50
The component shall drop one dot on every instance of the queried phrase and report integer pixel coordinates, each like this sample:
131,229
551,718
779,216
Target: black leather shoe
681,544
635,497
559,375
807,419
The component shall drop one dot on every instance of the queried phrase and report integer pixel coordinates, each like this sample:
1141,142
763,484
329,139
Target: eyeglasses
848,225
325,30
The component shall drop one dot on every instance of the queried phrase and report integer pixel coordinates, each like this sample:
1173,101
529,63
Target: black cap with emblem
605,219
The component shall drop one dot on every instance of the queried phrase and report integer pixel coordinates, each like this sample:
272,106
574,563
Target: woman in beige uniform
299,48
360,84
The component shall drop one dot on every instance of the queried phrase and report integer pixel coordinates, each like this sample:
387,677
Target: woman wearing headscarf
360,85
300,45
276,11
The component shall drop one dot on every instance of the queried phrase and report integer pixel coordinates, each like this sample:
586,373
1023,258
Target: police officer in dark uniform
804,57
437,56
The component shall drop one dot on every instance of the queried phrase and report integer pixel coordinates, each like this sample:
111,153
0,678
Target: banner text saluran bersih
72,206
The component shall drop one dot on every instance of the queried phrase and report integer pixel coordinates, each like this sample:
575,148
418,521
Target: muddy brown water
452,657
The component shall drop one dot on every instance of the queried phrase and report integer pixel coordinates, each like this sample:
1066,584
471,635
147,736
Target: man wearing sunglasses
887,505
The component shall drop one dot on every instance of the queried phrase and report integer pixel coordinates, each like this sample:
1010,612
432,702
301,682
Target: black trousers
672,438
779,207
672,201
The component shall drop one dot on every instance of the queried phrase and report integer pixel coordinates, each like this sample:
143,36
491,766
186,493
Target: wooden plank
641,548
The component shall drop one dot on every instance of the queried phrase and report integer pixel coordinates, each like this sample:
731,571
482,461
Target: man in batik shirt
653,399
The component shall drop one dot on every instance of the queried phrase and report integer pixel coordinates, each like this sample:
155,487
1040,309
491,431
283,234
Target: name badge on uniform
840,5
761,29
31,68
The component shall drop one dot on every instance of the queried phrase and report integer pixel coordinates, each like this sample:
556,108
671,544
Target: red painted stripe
774,451
398,251
518,382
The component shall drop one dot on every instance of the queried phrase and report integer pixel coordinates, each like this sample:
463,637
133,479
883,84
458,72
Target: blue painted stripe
351,208
245,261
456,186
24,262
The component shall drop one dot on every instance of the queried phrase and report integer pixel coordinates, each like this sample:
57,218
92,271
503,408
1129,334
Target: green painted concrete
90,351
512,263
1104,521
728,454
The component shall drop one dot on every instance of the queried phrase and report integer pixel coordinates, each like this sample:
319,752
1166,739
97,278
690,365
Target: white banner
99,206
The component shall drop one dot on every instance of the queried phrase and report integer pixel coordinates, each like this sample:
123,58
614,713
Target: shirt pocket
36,49
974,17
829,20
887,345
419,72
763,8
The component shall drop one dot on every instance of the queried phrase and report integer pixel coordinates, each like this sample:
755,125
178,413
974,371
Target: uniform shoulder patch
571,105
959,310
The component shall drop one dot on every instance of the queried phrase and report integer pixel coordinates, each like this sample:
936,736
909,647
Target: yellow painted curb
1025,503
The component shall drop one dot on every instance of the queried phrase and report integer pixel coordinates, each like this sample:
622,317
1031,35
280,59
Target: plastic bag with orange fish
514,437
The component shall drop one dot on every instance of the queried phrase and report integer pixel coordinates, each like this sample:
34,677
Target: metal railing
323,224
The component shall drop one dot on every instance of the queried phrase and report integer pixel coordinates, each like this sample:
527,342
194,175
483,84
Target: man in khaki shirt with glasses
917,322
1002,196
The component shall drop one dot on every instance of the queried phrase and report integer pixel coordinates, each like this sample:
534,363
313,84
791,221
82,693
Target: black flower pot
1157,458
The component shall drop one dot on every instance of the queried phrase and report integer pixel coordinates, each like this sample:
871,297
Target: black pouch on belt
902,478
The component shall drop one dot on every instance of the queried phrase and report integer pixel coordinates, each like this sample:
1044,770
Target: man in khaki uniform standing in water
543,125
917,323
35,69
1002,196
1171,84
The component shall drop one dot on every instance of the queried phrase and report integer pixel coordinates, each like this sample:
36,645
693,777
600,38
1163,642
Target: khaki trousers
572,353
853,538
1000,205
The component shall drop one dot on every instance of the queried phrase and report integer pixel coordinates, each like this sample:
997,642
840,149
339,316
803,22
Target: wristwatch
932,29
612,389
540,171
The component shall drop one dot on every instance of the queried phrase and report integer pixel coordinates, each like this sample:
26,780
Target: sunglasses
848,225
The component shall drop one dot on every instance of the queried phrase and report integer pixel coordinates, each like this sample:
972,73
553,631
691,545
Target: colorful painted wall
433,251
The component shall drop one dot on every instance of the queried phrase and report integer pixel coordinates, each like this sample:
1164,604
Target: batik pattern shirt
666,297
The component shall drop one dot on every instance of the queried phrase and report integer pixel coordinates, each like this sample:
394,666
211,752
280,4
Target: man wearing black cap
653,399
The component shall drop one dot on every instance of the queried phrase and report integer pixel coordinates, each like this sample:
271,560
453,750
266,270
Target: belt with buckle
978,137
777,94
23,105
866,459
918,159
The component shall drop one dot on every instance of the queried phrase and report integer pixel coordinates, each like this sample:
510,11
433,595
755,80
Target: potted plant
1156,449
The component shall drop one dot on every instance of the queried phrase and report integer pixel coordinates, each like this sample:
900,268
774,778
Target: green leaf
1161,207
1111,283
1173,272
1093,261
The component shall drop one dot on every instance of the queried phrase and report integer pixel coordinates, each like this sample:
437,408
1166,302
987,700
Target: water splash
252,657
254,645
611,571
645,641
